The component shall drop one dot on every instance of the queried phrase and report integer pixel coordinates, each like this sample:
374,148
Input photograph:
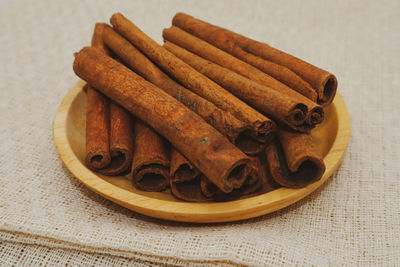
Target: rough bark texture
238,132
209,151
192,79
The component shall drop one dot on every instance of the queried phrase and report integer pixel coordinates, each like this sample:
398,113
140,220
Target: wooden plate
69,135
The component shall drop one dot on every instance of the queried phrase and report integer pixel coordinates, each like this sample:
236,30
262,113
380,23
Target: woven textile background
47,216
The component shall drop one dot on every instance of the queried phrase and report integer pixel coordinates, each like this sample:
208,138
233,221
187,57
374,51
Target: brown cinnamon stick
121,143
238,132
207,51
185,179
224,40
294,161
253,182
108,127
97,155
290,110
191,78
150,166
322,81
205,147
181,169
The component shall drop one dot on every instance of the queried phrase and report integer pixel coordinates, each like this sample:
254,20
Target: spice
150,166
238,132
209,151
108,127
185,179
192,79
253,183
181,169
323,82
291,110
294,161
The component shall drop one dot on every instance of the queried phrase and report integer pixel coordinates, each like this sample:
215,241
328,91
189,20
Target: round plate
331,136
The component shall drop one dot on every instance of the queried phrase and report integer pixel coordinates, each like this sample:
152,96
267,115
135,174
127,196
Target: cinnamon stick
294,161
121,143
205,147
238,132
150,166
253,182
181,169
290,110
207,51
224,40
108,127
185,179
190,78
323,82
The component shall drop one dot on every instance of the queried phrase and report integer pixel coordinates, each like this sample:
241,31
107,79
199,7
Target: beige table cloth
48,217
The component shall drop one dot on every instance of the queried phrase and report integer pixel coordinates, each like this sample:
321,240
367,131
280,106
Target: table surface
47,217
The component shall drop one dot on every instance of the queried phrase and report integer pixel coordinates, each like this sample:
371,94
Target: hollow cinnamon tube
253,182
322,81
238,132
294,161
181,169
290,110
192,79
108,127
222,39
207,51
281,73
121,143
209,151
97,153
150,166
185,179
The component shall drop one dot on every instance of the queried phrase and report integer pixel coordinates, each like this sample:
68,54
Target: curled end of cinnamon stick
301,171
265,131
96,160
189,190
316,116
121,161
328,91
298,114
238,173
151,177
246,142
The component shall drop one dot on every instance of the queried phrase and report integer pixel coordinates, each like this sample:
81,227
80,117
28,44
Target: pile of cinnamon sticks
211,114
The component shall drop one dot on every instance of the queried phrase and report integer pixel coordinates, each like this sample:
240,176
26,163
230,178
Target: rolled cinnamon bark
207,51
192,79
97,155
322,81
290,110
185,179
121,143
181,169
281,73
238,132
253,182
108,127
294,161
209,151
150,166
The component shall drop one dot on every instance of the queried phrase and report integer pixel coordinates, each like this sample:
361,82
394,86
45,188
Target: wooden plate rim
195,212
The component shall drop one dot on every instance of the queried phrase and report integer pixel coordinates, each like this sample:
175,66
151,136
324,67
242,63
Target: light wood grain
69,136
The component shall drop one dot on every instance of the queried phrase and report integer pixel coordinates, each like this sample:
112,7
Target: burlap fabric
48,217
